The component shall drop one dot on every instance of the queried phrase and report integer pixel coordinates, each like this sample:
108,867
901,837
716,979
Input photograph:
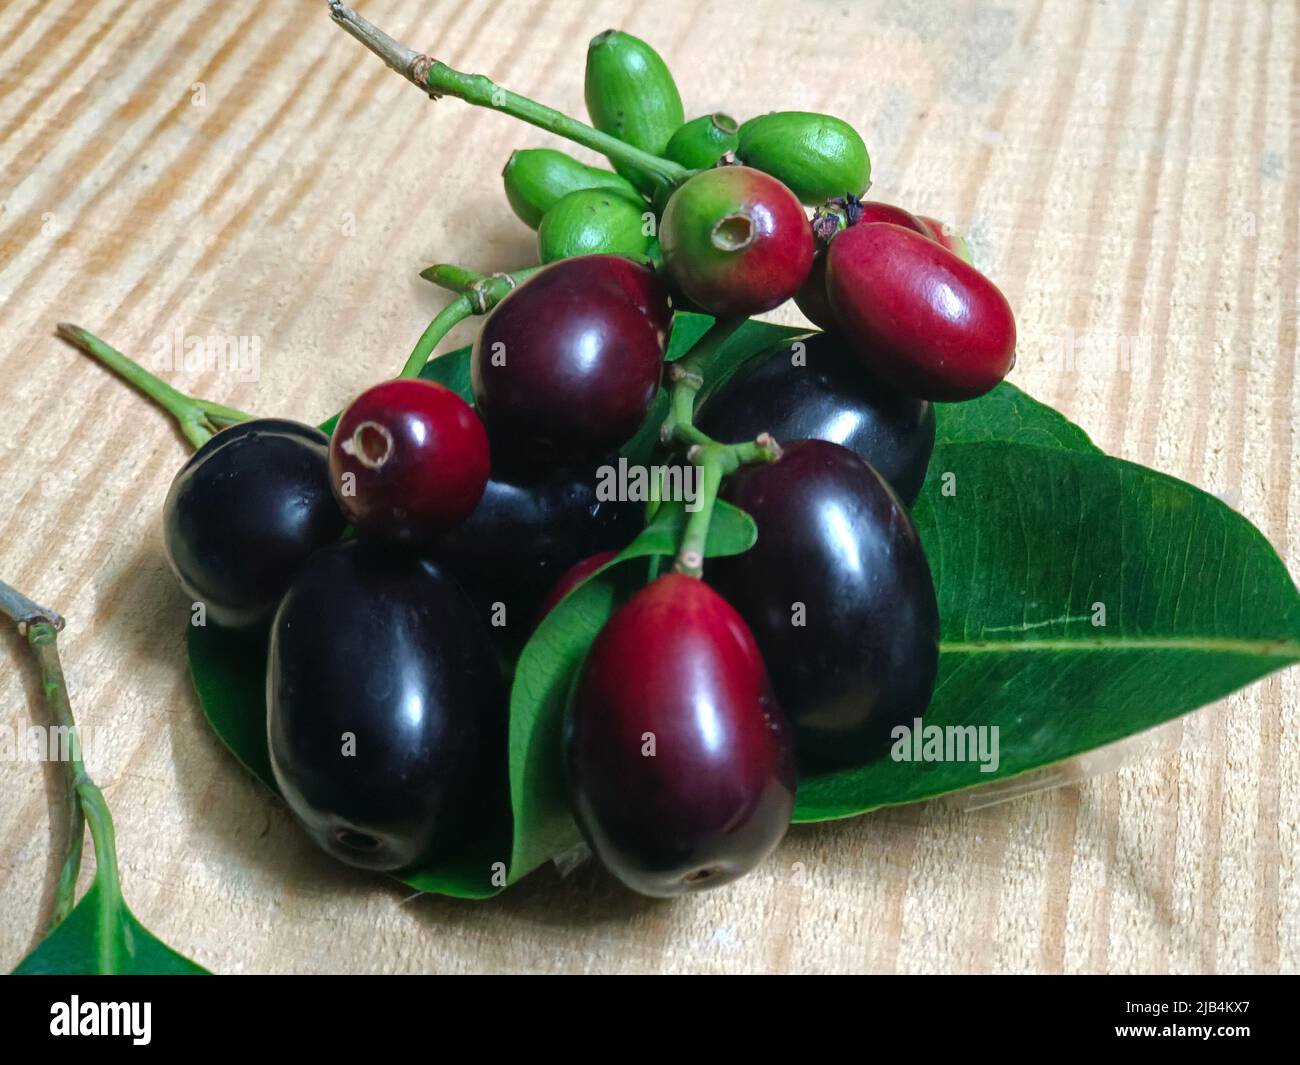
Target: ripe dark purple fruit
408,459
526,531
245,512
919,316
839,596
386,707
813,387
679,757
812,298
568,365
736,241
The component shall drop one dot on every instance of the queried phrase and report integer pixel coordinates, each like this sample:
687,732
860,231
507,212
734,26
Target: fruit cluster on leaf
502,660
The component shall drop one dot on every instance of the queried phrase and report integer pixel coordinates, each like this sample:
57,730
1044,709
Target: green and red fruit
735,241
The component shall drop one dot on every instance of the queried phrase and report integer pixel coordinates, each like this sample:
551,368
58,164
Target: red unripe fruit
408,460
812,299
949,238
736,241
680,760
917,315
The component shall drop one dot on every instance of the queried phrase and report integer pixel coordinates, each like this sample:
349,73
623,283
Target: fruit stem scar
371,445
734,232
438,80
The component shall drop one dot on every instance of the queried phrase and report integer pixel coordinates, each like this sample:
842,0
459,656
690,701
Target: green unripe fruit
632,96
536,179
703,141
595,222
817,156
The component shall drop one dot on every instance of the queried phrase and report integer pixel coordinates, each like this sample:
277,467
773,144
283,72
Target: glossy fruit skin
949,238
834,538
677,662
817,156
375,642
828,396
568,365
528,529
594,222
408,460
571,578
245,512
736,241
631,95
918,316
702,141
536,179
812,298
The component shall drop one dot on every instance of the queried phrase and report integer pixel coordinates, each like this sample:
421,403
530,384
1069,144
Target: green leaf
1196,604
101,936
1009,415
543,824
452,370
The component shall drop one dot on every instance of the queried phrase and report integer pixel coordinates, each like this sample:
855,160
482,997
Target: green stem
687,378
453,278
443,322
716,460
713,461
42,628
438,79
479,294
198,418
87,799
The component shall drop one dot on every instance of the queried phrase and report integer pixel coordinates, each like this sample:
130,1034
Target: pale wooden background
1124,168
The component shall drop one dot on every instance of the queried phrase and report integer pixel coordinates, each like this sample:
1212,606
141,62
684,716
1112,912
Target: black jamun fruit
245,512
839,596
386,707
815,388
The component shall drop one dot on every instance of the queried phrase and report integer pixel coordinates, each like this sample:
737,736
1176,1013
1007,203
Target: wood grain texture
1125,169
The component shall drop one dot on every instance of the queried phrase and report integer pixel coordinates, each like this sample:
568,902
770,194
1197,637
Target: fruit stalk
199,419
438,79
687,380
478,295
35,620
715,459
86,801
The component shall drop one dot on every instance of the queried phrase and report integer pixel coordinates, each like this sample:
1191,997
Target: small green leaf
1082,599
452,370
102,937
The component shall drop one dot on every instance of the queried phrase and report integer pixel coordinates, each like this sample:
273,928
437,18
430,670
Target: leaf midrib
1289,649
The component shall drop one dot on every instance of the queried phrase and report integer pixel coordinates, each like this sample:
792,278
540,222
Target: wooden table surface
1126,169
